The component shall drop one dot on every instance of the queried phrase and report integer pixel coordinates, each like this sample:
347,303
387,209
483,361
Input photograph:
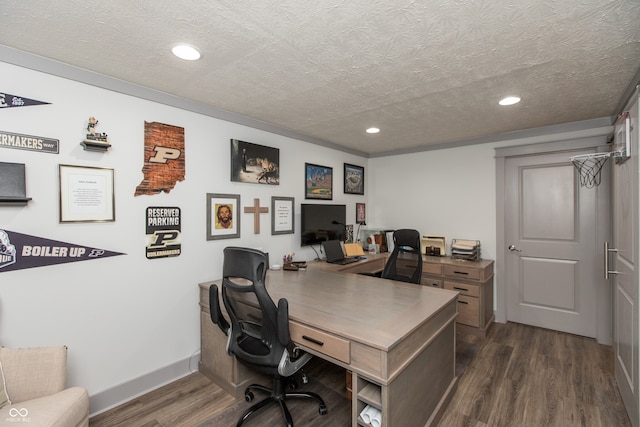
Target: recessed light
186,52
509,100
373,130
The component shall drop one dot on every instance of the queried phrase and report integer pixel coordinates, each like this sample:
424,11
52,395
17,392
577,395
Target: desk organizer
465,249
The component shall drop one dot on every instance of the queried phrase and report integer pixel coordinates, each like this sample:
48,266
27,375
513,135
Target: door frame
595,139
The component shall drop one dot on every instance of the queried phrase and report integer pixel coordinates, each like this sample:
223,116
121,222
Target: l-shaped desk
397,339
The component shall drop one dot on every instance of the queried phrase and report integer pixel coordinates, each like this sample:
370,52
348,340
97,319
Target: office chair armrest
283,322
215,311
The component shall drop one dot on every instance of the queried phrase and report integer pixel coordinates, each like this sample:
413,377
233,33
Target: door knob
513,248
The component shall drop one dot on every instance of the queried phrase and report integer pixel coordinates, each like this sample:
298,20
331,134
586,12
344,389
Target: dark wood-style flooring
518,376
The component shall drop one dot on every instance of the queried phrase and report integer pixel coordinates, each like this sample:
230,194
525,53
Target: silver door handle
607,272
513,248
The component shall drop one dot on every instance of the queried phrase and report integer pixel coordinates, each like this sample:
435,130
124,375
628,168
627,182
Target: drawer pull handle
313,340
460,289
462,302
461,272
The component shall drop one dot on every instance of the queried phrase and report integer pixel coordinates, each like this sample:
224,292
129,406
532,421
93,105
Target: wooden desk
398,339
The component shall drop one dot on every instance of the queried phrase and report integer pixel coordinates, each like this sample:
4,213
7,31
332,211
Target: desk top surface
373,311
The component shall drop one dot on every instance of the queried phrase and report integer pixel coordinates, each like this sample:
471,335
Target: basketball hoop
589,167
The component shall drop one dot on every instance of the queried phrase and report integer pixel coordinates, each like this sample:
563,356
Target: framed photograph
222,221
318,182
282,215
361,213
254,163
353,179
86,194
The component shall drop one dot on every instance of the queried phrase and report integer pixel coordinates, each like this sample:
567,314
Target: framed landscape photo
86,194
222,222
282,215
318,182
353,179
253,163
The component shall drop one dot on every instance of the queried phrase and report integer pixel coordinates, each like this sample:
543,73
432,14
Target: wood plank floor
518,376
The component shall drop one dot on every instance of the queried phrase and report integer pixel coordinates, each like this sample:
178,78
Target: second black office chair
405,262
258,331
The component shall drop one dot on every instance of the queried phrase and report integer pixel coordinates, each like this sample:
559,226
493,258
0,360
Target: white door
550,228
624,259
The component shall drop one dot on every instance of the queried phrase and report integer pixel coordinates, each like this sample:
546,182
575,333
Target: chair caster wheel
323,410
248,396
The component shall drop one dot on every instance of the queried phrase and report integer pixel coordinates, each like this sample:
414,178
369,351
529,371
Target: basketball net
590,167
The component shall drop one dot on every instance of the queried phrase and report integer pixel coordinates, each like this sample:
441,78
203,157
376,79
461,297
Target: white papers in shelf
371,415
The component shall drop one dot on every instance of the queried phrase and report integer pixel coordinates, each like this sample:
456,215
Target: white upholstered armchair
33,389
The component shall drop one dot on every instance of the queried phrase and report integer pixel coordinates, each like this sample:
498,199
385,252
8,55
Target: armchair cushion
35,381
33,372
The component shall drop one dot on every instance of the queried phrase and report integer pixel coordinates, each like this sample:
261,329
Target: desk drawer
468,311
466,273
429,268
325,343
463,288
435,282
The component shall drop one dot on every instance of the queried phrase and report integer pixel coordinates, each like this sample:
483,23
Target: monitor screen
322,222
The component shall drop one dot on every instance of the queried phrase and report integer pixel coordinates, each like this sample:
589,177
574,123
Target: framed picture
254,163
282,215
361,213
86,194
318,182
353,179
222,222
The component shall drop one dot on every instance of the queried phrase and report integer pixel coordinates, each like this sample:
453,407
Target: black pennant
7,101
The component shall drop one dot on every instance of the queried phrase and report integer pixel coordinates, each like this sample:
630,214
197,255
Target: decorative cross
256,210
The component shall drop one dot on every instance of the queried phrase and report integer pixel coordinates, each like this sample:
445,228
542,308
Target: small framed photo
353,179
282,215
86,194
221,216
361,213
318,182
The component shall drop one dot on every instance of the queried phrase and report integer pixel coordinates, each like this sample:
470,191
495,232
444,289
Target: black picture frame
353,179
254,163
318,182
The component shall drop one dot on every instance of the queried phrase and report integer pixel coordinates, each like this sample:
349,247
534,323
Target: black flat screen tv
320,222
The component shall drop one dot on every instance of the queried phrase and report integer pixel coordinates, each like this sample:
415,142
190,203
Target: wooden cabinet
473,280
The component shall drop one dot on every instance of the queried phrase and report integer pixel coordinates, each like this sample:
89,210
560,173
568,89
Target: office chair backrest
259,331
405,262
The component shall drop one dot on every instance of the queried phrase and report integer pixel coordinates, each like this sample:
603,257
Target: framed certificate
282,214
86,194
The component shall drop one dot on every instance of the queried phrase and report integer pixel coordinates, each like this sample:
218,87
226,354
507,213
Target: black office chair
258,330
405,262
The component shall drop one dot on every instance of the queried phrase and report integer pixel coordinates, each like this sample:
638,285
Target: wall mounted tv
320,222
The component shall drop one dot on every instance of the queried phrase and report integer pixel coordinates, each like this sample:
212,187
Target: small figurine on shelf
95,141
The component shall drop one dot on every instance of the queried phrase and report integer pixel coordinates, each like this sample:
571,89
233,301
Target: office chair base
278,395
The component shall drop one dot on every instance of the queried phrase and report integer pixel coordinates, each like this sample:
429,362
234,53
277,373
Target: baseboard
122,393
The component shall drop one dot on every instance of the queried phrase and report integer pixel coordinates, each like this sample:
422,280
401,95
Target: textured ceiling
425,72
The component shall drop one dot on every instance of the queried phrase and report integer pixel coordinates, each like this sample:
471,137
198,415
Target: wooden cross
256,210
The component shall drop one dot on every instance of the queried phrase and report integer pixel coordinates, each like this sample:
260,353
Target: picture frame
361,213
86,194
282,215
254,163
223,219
353,179
318,182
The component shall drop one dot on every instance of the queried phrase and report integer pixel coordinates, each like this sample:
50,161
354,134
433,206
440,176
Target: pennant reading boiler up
19,251
164,158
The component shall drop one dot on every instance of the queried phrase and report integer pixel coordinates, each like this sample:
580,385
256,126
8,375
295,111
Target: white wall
126,317
448,193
